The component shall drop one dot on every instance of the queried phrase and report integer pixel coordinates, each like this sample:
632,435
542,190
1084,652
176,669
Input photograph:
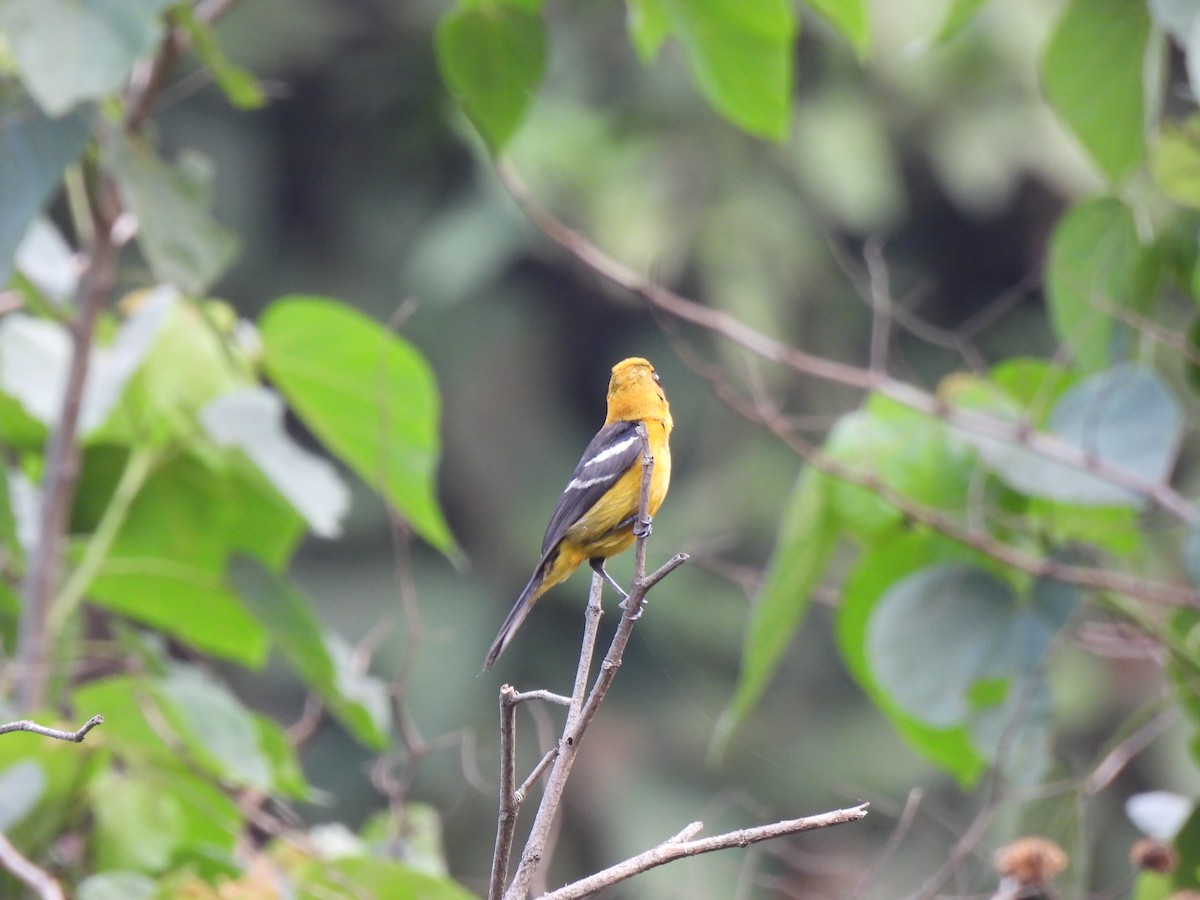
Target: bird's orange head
635,393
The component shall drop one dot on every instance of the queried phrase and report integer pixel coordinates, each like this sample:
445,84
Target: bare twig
27,873
580,716
506,824
974,422
76,736
680,846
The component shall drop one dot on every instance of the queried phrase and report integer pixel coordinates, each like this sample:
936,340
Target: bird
596,515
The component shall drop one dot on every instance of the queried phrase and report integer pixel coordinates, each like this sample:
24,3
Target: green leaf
359,702
183,244
849,17
252,420
368,395
216,728
287,778
876,571
381,879
953,646
166,564
22,785
192,360
1092,259
68,51
960,13
492,58
34,151
1125,418
138,826
741,57
910,453
117,886
1092,73
649,25
239,86
807,540
1175,161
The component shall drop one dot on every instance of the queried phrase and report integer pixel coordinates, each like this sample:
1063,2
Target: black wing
611,452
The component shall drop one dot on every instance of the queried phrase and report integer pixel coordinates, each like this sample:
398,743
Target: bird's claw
643,527
636,615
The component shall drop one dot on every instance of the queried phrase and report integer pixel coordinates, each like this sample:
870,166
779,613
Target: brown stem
62,463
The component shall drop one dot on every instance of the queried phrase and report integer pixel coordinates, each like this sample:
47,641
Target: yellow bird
595,516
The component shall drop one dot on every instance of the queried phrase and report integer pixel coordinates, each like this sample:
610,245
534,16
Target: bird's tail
515,617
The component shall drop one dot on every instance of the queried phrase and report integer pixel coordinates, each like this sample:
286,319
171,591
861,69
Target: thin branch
38,880
62,461
76,736
506,824
678,847
1093,578
981,424
580,717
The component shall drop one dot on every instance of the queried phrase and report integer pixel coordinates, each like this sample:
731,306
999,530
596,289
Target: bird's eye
657,380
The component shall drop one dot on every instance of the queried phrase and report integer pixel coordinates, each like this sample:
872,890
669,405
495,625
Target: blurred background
360,180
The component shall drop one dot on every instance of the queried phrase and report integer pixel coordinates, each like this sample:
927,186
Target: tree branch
62,461
1019,433
38,880
76,736
679,846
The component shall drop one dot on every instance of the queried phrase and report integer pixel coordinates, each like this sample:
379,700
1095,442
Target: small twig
679,846
581,716
907,816
76,736
27,873
510,803
540,694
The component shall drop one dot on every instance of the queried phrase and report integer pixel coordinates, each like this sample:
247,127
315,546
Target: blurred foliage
1018,181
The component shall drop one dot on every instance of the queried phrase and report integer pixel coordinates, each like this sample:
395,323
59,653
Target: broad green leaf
741,57
807,540
34,151
849,17
239,86
138,826
193,360
117,886
166,564
251,420
217,730
420,832
1092,260
359,702
35,356
183,244
1125,418
910,453
872,576
62,768
1092,73
368,395
381,879
953,646
22,785
68,51
47,263
960,13
1175,161
492,57
184,600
